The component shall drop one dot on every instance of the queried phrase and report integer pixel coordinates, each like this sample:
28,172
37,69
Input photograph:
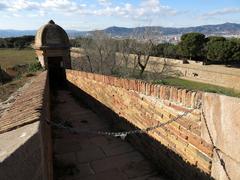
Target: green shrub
34,67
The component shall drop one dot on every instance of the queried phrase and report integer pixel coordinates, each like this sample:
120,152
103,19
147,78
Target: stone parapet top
27,107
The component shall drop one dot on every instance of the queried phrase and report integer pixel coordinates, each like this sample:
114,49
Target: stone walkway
92,157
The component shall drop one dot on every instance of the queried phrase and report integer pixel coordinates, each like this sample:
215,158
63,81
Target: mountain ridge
205,29
219,29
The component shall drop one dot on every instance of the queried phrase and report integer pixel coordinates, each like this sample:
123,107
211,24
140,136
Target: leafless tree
100,53
142,48
86,45
125,50
125,57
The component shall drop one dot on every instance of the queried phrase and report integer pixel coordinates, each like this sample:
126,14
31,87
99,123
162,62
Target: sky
99,14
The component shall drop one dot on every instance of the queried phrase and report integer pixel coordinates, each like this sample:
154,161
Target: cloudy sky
99,14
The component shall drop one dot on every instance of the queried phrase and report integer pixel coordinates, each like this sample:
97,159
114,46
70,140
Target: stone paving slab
95,157
116,148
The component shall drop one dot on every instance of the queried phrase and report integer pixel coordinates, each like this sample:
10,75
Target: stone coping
27,107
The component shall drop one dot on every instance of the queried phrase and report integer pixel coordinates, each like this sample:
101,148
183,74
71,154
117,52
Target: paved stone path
94,157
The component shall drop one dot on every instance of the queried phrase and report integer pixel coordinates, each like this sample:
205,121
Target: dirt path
92,157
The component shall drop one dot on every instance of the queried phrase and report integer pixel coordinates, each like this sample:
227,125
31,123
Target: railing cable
122,134
214,147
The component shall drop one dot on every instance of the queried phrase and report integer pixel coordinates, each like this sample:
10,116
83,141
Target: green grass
12,57
197,86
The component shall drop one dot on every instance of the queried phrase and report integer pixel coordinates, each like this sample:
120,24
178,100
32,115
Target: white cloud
129,13
54,5
19,5
147,8
222,12
104,2
60,5
104,8
16,15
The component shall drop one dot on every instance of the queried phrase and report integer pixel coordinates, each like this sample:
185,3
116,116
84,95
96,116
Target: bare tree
143,53
86,44
142,48
100,53
124,57
125,50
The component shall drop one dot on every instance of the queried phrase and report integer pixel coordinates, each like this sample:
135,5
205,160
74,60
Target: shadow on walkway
87,156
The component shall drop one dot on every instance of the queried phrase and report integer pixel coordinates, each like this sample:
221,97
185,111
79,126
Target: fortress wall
25,146
222,114
204,74
182,146
145,105
195,71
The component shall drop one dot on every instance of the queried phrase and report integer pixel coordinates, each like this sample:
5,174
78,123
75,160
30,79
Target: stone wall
222,114
182,148
145,105
211,74
25,146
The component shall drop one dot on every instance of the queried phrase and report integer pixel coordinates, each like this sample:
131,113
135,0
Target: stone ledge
25,146
24,106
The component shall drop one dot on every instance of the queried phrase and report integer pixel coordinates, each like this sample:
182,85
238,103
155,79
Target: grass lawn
197,86
11,57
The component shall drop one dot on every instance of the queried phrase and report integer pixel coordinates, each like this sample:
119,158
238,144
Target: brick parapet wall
25,146
145,105
176,96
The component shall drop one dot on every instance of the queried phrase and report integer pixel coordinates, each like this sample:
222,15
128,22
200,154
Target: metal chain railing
121,134
214,146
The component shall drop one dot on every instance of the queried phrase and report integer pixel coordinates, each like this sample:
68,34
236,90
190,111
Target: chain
124,134
215,148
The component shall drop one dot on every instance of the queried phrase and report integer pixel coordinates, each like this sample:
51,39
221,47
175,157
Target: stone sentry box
53,50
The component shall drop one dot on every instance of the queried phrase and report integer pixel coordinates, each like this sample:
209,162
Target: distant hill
220,29
17,33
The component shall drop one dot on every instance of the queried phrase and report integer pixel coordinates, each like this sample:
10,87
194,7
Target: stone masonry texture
222,114
144,105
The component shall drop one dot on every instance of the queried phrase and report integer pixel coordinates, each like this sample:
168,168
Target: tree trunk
90,63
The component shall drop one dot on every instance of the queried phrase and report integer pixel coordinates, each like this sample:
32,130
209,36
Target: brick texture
145,105
27,107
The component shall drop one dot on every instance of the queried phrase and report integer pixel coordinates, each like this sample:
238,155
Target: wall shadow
33,159
167,161
30,161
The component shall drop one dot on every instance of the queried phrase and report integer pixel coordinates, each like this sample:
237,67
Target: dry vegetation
7,89
12,57
101,54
